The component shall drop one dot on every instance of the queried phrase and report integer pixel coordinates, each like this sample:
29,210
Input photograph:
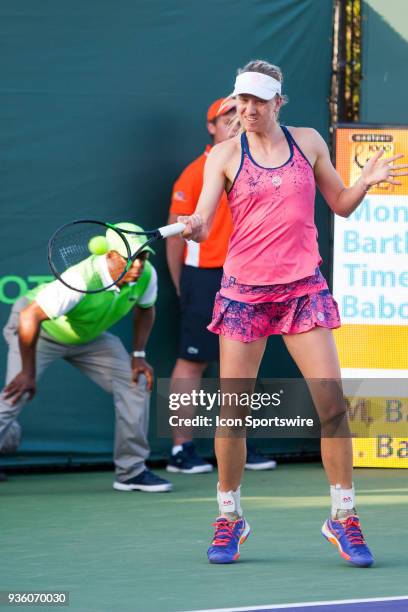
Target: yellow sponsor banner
370,283
380,431
373,346
383,451
355,146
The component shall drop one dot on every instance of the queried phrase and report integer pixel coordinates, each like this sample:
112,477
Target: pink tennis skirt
247,313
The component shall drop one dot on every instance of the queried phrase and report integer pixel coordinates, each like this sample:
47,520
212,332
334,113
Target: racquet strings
71,259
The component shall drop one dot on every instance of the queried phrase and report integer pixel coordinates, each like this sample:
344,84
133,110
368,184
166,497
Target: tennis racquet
77,250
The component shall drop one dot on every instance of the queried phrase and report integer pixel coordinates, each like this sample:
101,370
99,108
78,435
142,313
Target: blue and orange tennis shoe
228,537
347,536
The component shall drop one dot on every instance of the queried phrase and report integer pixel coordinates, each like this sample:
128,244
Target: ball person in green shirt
54,322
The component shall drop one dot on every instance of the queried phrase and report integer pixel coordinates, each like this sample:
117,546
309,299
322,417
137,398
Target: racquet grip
171,230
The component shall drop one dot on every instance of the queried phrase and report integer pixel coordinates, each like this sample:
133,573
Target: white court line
309,604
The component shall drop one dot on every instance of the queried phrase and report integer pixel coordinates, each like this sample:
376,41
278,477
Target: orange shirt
186,191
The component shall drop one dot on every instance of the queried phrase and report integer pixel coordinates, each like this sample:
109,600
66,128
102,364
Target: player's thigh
314,352
240,359
239,365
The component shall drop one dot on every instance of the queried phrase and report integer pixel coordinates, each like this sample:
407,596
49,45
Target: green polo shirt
92,313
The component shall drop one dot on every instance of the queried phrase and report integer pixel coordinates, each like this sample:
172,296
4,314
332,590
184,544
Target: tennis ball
98,245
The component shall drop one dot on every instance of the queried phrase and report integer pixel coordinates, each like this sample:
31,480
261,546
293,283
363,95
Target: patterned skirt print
248,321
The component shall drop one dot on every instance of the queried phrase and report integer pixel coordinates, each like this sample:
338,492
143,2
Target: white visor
258,84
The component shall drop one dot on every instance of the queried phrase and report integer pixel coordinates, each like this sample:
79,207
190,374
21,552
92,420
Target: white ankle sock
176,449
229,501
342,499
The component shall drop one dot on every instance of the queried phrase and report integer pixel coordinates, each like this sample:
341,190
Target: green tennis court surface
147,552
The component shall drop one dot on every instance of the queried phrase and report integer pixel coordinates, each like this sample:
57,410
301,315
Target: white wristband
139,354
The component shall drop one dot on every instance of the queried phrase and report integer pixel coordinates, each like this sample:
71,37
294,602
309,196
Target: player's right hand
194,226
21,384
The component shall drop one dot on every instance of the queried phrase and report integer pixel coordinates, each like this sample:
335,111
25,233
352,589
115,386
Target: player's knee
334,421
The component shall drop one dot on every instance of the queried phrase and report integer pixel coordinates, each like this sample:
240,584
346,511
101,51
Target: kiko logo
13,287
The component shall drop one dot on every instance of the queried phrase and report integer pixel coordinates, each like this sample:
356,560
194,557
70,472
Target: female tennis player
272,285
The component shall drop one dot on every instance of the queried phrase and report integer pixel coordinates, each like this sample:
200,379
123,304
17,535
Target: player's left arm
344,200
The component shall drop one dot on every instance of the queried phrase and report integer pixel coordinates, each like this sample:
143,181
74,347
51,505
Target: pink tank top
274,239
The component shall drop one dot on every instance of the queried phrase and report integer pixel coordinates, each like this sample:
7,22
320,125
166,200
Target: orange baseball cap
215,110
